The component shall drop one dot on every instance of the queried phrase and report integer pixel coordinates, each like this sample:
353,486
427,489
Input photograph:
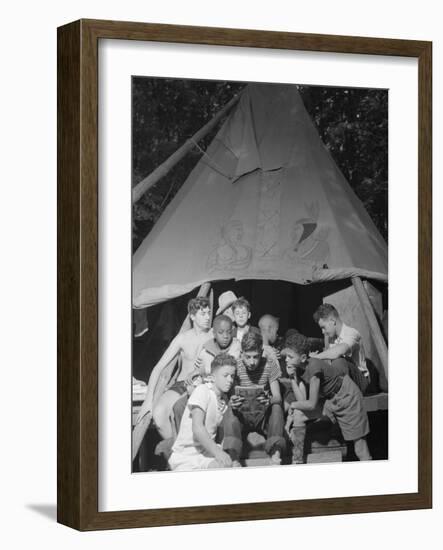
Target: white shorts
189,459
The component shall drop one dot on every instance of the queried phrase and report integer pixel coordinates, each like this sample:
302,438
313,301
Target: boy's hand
223,458
236,401
291,370
313,353
292,406
264,399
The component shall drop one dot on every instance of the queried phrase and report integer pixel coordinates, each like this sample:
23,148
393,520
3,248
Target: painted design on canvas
309,239
230,252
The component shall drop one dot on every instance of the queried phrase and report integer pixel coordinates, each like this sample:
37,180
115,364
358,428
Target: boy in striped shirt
254,369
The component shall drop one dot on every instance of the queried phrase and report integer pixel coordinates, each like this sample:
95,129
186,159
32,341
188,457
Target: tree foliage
353,124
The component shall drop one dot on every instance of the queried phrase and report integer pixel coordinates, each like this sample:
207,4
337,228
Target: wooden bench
376,402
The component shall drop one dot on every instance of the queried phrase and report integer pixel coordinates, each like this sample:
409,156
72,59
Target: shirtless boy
188,345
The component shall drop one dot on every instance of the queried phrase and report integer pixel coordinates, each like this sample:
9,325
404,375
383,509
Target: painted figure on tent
268,221
310,239
230,253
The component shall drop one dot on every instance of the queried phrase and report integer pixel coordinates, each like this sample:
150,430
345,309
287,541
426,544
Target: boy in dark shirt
343,400
255,369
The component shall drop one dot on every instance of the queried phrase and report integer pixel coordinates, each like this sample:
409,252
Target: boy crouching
195,447
343,399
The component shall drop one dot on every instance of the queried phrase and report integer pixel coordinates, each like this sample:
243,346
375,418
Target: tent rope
167,195
210,162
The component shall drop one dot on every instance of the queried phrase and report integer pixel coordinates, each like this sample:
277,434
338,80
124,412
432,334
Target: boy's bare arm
334,352
172,351
311,403
202,436
199,362
299,389
275,392
299,392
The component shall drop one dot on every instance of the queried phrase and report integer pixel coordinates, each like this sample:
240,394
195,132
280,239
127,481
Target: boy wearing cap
225,301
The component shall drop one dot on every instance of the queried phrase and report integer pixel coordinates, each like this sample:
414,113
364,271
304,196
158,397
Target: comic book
251,406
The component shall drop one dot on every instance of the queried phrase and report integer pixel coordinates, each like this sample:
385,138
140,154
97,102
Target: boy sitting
186,344
345,345
195,447
223,342
254,369
343,400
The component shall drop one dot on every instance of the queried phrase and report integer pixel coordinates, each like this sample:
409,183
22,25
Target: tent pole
141,187
145,416
376,333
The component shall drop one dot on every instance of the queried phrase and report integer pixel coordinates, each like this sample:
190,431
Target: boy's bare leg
162,413
361,449
298,436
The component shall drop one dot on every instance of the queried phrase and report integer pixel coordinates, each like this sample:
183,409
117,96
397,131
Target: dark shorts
347,409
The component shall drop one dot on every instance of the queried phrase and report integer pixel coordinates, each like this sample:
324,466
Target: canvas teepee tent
266,201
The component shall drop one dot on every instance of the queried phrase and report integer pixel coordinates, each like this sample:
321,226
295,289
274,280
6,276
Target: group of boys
209,404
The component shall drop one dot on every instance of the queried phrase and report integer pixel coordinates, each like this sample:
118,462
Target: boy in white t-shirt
345,344
195,447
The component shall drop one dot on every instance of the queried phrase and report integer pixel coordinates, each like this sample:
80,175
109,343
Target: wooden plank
327,456
331,446
254,462
377,402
